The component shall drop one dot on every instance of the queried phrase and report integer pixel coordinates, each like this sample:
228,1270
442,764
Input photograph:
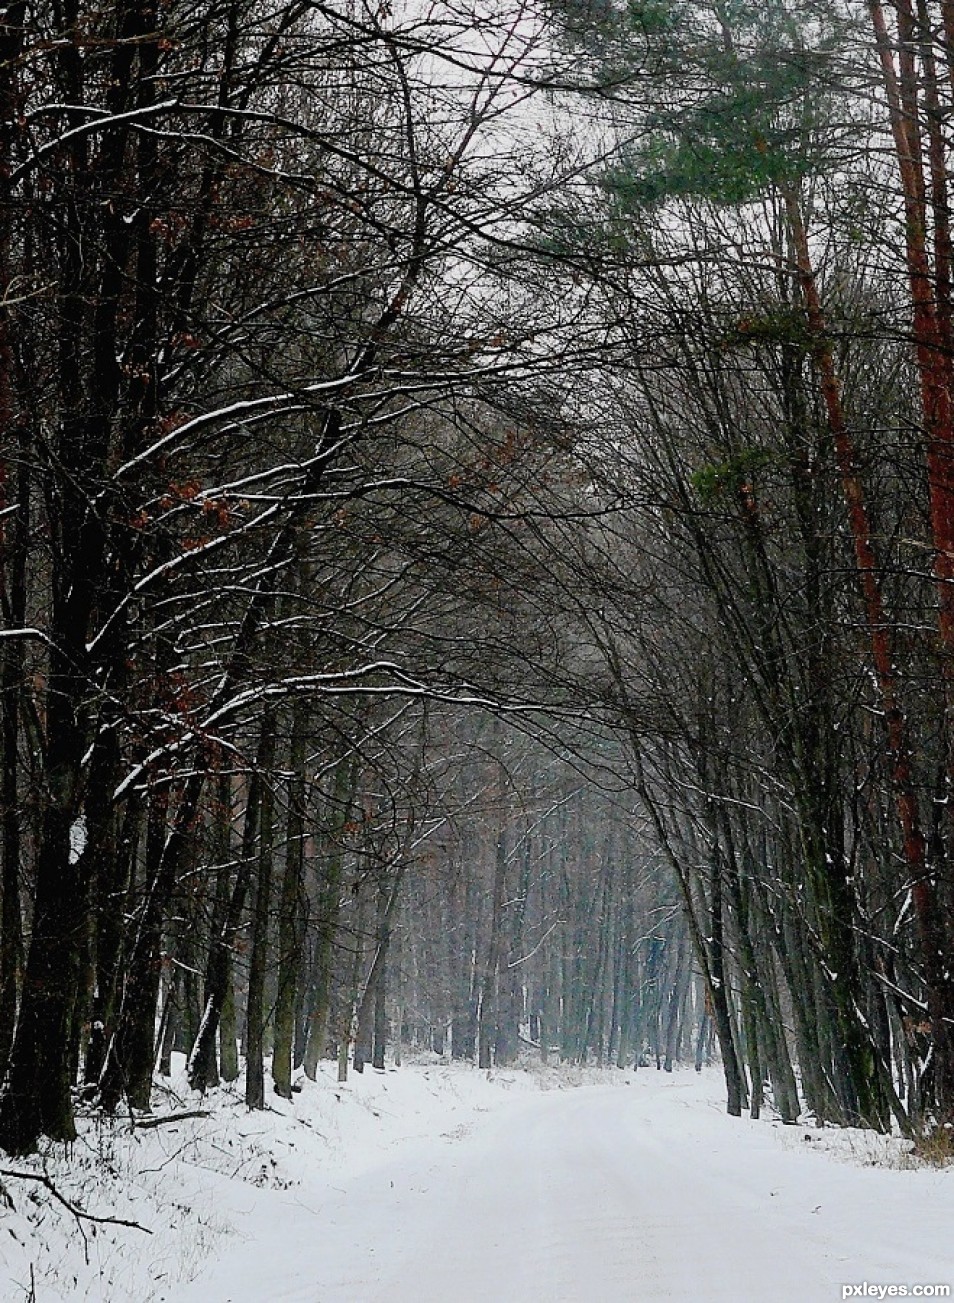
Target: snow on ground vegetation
190,1183
438,1182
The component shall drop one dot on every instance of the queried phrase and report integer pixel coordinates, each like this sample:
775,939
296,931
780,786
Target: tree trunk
290,939
218,987
345,785
933,941
487,1016
254,1040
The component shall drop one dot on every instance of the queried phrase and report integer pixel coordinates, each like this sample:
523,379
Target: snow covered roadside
438,1182
194,1184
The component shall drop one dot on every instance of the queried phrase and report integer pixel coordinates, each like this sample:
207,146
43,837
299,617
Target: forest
476,546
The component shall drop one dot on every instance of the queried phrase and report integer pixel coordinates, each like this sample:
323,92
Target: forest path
598,1193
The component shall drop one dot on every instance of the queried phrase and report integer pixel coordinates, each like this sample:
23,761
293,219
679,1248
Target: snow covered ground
435,1182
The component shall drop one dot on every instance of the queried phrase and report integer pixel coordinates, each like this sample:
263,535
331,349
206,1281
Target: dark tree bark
344,787
290,931
218,989
487,1018
255,1017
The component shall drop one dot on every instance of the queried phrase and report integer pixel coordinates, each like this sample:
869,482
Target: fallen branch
158,1120
80,1214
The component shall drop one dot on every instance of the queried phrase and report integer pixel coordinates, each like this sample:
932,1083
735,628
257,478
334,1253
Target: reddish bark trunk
932,332
932,934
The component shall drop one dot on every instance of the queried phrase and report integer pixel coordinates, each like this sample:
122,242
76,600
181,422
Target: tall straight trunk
228,1026
460,952
620,967
432,918
36,1098
506,1043
36,1095
935,110
487,1016
380,1016
127,1070
718,987
343,790
797,965
93,321
290,939
167,1023
550,1029
397,968
370,1021
187,944
107,851
680,973
703,1033
254,1039
756,958
464,954
930,288
348,1010
218,987
221,816
708,945
14,533
625,971
370,1009
593,1027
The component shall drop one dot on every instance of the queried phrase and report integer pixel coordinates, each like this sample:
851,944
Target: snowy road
599,1193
